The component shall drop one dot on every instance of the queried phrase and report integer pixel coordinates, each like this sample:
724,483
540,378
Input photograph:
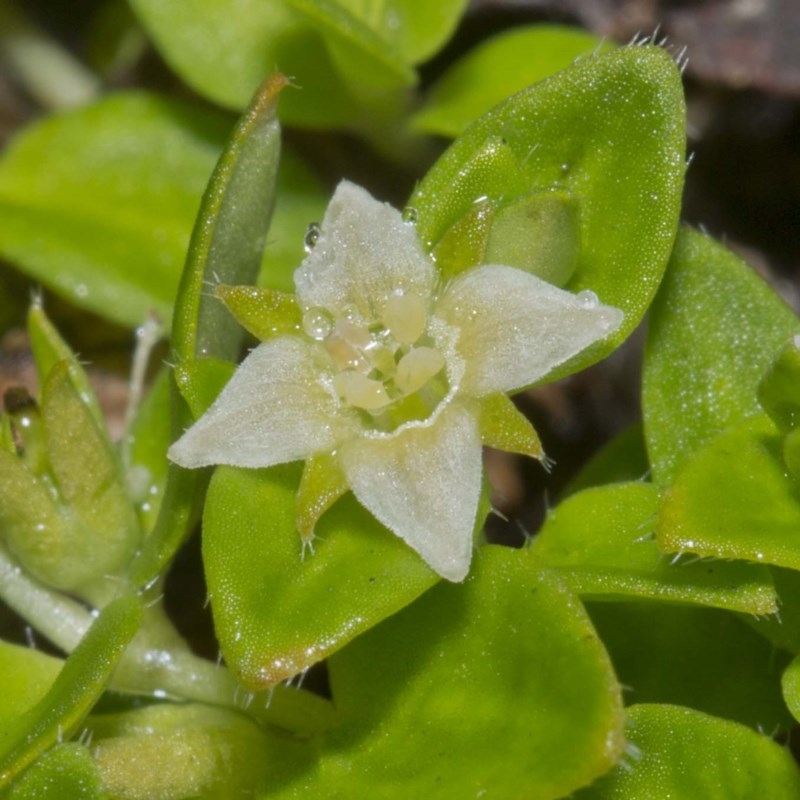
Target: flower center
389,369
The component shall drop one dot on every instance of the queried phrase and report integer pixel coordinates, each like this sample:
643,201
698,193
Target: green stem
158,663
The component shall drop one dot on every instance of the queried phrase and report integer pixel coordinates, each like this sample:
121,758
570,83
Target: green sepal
321,485
79,684
261,311
503,426
779,390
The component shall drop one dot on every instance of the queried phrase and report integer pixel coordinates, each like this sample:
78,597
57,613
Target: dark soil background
743,186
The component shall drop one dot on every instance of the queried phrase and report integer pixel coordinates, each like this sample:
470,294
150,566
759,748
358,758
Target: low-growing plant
641,644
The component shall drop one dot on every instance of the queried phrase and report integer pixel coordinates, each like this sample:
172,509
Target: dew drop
565,168
587,299
410,215
317,323
311,237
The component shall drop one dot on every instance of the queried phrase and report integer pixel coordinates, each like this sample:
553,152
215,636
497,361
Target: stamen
416,368
405,317
360,391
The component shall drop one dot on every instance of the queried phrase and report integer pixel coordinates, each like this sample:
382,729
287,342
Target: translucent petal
273,410
423,483
364,254
515,328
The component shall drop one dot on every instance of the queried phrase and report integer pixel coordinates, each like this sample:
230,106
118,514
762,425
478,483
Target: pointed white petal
424,485
364,253
515,327
274,409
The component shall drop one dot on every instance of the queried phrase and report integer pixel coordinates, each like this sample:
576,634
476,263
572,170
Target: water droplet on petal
311,237
587,299
317,323
410,215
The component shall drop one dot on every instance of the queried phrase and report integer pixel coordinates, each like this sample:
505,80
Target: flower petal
423,483
274,409
364,254
515,328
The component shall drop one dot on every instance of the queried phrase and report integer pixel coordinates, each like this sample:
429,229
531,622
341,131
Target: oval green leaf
98,204
610,132
714,330
276,612
602,542
498,68
497,686
734,499
695,657
685,755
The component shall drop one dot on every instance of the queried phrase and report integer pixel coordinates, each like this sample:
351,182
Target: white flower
395,381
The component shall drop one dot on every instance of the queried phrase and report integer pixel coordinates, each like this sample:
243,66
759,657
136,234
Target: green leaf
498,68
228,237
49,349
684,754
623,459
779,390
97,204
790,683
66,771
80,683
733,499
100,532
149,438
344,56
276,612
783,628
359,51
609,133
25,676
696,657
497,686
714,330
227,246
601,541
